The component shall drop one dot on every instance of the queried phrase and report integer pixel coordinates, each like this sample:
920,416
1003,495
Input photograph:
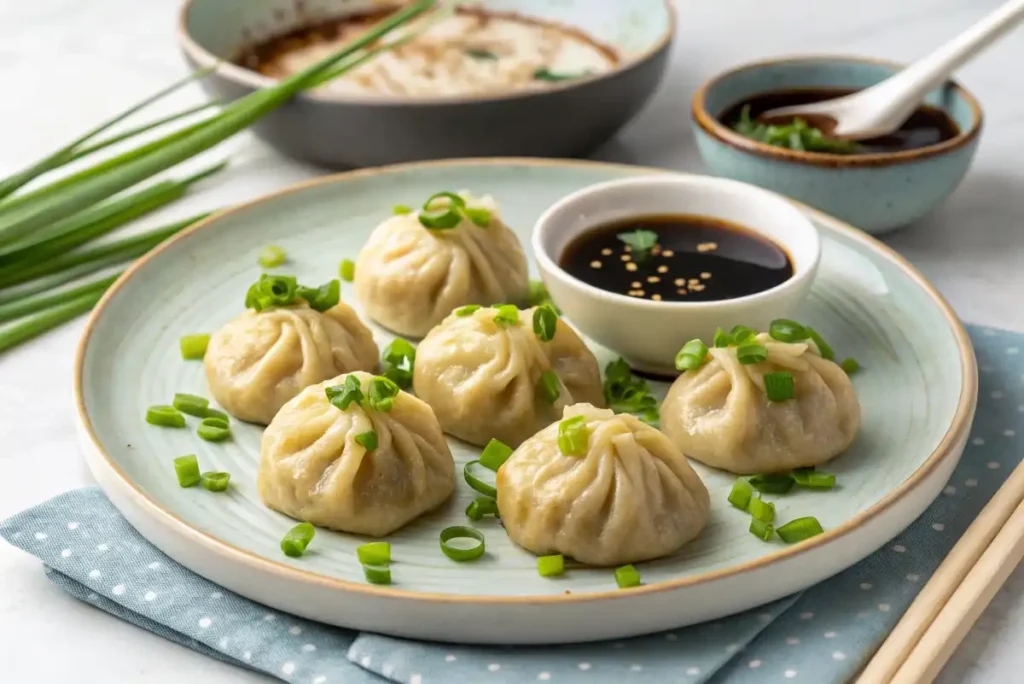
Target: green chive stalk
98,183
46,320
34,303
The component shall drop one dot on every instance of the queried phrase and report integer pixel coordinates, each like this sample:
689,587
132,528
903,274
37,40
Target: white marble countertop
65,64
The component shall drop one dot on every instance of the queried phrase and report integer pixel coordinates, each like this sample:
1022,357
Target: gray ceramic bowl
339,131
875,192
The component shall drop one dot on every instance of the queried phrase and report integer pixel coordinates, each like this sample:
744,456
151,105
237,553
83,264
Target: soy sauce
926,126
693,259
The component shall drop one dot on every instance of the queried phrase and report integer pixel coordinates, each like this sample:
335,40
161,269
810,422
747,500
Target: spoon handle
914,82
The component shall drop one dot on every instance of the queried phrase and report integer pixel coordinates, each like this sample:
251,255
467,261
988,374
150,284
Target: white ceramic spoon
882,108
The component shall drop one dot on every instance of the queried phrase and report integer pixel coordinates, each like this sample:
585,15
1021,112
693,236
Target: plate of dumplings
353,401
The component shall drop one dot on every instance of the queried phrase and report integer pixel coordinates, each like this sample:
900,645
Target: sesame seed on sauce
687,258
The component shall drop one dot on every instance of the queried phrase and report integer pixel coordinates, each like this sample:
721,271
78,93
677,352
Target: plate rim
960,424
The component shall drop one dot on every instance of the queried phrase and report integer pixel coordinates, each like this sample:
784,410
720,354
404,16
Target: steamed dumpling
481,376
720,413
409,277
631,497
313,469
260,360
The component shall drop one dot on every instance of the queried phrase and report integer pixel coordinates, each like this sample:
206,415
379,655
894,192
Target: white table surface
65,64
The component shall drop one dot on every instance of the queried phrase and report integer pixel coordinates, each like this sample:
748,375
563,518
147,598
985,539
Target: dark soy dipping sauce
926,126
695,259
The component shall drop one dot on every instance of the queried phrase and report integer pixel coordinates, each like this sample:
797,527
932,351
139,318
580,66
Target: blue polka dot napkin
822,635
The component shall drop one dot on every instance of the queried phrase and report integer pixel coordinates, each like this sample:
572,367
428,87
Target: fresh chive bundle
44,231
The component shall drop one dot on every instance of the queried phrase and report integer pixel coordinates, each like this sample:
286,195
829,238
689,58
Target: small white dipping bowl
646,333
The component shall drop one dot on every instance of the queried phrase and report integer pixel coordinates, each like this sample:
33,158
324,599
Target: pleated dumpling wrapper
409,277
630,495
487,373
721,415
260,360
319,464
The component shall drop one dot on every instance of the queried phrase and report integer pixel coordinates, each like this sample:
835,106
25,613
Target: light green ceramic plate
918,393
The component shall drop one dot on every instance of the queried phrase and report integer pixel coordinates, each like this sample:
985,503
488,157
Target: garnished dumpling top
761,403
291,337
605,489
418,266
502,373
355,454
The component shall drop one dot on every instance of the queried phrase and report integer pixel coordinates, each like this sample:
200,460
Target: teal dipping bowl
875,192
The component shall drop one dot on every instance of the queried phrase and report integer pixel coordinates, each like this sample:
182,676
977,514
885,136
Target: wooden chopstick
896,652
966,604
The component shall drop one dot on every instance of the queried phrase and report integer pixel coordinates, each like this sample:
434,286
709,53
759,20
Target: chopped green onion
823,347
481,506
761,529
342,396
377,574
741,333
399,358
213,430
625,393
214,481
402,209
270,291
454,200
548,388
450,534
773,483
785,330
374,553
472,473
442,219
796,135
800,529
850,365
627,576
751,353
573,436
538,294
722,338
165,416
741,494
367,440
191,404
381,394
467,310
779,386
193,347
187,470
691,356
347,270
214,413
495,454
545,74
272,256
508,314
762,510
479,216
550,566
810,479
321,298
545,323
297,539
478,53
640,241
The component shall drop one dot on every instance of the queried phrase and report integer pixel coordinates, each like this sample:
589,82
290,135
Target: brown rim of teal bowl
246,77
722,133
